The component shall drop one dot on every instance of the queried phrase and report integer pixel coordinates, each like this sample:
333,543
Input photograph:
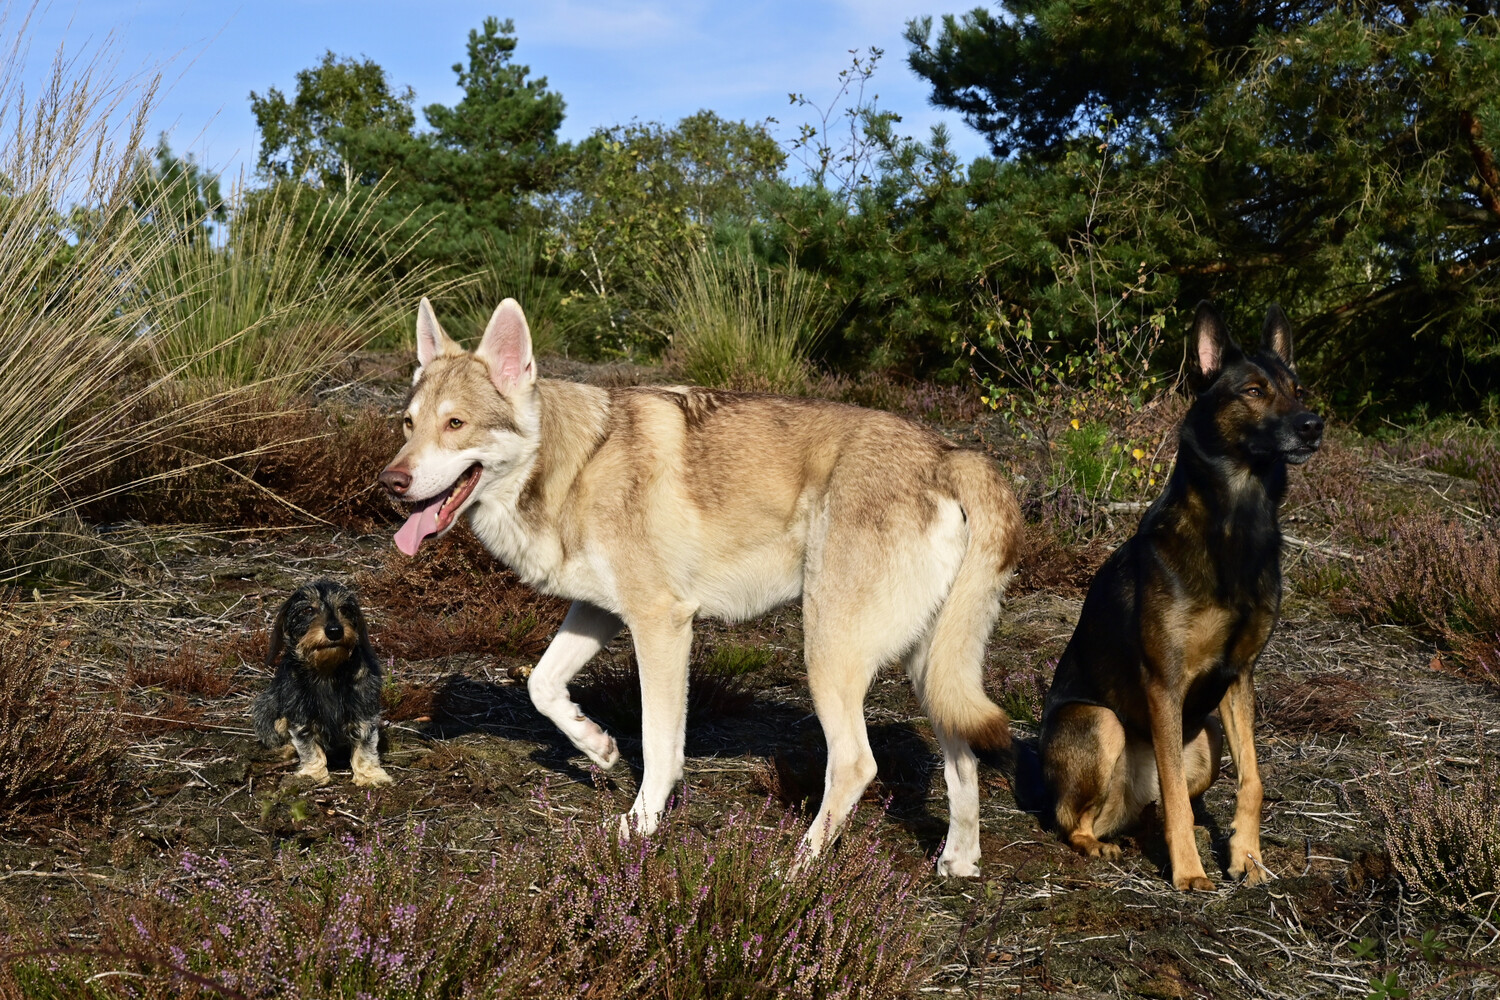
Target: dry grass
57,755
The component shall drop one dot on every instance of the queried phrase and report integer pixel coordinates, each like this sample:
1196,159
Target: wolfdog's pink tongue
422,524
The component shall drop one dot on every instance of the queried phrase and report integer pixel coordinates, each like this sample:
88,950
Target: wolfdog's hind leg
584,632
961,771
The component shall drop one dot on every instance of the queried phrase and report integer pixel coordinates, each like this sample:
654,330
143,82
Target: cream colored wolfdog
650,507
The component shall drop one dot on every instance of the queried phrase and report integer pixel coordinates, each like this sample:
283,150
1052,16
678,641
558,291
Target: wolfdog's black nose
1309,427
333,630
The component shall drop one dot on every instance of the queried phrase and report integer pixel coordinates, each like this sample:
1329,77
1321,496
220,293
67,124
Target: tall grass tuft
735,324
578,914
72,245
290,290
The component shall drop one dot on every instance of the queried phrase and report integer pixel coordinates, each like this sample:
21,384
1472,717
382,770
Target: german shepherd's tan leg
1083,761
1165,707
1238,712
663,640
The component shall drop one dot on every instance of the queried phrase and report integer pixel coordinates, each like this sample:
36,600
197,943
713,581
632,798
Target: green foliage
1337,158
175,194
324,133
639,196
448,190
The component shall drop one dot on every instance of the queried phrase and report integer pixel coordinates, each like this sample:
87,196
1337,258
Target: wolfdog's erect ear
432,342
1277,334
506,348
1210,345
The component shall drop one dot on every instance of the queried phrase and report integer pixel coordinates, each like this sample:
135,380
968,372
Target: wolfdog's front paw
604,751
958,867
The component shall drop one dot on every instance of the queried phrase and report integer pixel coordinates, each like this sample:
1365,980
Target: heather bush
1444,836
57,756
578,913
1440,578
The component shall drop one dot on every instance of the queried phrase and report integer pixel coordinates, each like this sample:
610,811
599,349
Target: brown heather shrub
941,404
57,756
256,462
1441,578
681,915
453,597
1325,703
1444,836
190,670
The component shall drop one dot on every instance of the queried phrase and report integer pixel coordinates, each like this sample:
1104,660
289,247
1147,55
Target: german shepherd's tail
952,685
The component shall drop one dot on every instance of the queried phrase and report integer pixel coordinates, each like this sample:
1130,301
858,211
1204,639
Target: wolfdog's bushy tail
952,685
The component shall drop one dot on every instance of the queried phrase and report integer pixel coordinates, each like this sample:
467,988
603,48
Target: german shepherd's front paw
1193,883
1249,870
1093,847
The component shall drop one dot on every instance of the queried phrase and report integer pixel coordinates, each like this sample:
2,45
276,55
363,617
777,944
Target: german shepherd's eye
1254,391
455,424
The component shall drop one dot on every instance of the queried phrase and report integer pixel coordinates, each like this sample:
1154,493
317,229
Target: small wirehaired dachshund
326,692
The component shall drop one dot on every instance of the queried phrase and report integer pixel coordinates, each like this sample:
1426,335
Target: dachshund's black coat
326,691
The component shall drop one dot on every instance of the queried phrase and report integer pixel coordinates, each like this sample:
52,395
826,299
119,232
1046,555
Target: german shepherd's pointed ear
278,636
432,342
1210,347
506,349
1276,335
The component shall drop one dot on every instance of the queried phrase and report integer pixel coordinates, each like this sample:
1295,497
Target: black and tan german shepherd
1176,618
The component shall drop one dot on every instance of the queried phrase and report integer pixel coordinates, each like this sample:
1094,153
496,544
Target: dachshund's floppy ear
278,636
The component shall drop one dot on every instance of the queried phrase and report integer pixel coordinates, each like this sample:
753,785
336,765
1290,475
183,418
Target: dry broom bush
682,915
57,756
1444,837
732,324
256,462
455,598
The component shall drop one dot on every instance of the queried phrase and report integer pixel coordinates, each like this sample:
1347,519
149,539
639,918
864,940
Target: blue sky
612,60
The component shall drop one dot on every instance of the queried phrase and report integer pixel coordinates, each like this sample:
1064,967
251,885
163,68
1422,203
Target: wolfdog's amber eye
406,421
455,423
